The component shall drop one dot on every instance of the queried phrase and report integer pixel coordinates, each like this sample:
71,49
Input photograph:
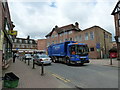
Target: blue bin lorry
69,52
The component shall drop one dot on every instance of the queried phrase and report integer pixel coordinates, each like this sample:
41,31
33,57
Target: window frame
86,36
92,48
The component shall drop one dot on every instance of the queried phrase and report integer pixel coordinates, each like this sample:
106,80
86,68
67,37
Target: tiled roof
63,29
114,11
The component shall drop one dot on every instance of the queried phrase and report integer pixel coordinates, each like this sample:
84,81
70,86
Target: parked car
39,58
27,57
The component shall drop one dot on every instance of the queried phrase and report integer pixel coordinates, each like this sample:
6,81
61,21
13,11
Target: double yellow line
61,78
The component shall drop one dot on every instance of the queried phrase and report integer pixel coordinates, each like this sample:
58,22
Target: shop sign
12,32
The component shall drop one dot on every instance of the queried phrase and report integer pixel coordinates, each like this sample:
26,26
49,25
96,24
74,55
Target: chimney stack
77,24
28,37
56,26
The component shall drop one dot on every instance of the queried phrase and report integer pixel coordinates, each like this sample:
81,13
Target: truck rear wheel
54,59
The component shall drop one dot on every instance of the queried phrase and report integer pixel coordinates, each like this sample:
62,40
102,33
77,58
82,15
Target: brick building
24,45
6,26
114,44
98,39
116,13
41,44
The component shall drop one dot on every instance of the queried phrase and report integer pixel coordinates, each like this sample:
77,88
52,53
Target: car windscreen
43,56
27,55
78,49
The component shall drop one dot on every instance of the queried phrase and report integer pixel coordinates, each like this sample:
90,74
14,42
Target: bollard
25,60
33,64
22,58
28,61
110,60
42,69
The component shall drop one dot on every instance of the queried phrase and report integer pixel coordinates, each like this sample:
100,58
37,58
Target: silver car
27,57
39,58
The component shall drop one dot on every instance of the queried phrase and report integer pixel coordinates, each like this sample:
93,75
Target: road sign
98,45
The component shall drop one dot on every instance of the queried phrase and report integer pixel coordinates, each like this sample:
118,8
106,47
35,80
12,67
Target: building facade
24,45
41,44
98,40
6,26
114,44
116,13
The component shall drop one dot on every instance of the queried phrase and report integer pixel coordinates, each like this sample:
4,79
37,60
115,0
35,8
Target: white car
39,58
27,57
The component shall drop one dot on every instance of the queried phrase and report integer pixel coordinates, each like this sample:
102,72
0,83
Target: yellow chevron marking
61,78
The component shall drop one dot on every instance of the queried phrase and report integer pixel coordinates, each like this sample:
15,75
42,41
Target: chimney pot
77,24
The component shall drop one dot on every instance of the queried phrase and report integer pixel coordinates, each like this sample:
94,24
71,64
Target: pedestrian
14,56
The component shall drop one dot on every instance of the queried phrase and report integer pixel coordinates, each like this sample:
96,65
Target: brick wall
41,44
99,38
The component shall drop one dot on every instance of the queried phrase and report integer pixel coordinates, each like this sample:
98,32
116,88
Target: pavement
31,78
106,62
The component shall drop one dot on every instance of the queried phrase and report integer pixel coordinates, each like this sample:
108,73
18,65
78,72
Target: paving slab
31,78
105,62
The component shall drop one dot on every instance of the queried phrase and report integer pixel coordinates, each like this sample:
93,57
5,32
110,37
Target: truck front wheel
68,61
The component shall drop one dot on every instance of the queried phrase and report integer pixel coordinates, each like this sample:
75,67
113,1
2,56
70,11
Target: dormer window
26,41
20,41
15,40
31,42
69,32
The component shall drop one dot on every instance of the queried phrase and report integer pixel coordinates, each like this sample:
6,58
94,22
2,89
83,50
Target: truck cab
78,53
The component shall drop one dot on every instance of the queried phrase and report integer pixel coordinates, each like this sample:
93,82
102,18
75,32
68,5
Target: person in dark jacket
14,56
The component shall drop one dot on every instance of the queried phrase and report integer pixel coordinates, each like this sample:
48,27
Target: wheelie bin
10,80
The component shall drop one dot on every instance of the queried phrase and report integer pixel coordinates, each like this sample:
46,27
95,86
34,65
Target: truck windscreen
79,49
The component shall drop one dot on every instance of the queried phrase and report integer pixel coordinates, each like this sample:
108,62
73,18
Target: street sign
12,32
98,45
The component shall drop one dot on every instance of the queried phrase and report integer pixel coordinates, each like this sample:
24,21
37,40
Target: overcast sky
37,17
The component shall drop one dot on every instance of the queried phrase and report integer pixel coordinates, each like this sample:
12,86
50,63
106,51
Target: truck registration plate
78,61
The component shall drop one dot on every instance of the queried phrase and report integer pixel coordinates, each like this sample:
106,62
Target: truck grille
82,59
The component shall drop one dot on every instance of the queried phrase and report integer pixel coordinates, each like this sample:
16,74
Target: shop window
92,49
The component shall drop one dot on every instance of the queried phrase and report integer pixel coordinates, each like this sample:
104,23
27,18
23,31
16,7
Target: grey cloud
38,19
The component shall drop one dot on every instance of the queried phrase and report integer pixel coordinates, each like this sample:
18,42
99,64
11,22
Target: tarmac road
86,76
